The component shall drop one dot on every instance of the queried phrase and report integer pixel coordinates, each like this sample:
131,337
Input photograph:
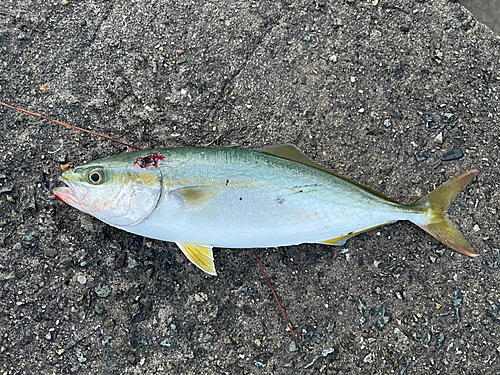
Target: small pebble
260,365
439,138
64,2
440,341
116,343
380,317
476,228
457,304
200,297
370,358
120,260
166,343
32,204
420,156
51,252
429,122
135,309
330,327
208,337
80,356
82,279
454,154
292,347
106,340
102,291
131,359
132,263
401,338
448,118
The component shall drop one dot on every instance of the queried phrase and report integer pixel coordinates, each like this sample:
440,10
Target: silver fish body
259,200
202,198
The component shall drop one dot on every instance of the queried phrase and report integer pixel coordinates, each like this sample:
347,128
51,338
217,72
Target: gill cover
118,190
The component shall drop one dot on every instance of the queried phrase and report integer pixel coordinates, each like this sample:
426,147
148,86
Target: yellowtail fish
205,197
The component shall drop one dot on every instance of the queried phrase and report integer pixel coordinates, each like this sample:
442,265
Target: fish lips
72,194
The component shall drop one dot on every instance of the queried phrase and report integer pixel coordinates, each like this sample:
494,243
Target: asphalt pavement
396,95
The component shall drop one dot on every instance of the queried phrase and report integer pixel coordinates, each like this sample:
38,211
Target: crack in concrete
220,101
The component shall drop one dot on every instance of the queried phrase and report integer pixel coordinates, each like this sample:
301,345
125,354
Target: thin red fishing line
70,126
274,294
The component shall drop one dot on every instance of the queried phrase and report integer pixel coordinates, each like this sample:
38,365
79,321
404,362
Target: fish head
115,190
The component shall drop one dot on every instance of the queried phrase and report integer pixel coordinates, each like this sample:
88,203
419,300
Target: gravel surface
397,95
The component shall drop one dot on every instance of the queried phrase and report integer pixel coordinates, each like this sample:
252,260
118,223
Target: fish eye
96,176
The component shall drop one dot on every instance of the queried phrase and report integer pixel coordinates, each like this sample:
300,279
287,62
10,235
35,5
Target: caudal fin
437,203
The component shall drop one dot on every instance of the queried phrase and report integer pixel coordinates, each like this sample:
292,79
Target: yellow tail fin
439,226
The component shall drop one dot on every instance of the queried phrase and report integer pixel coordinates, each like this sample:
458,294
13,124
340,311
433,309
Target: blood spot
150,160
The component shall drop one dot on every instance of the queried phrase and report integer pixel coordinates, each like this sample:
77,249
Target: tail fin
438,225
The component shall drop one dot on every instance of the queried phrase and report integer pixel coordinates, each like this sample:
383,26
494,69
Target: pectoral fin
199,195
200,255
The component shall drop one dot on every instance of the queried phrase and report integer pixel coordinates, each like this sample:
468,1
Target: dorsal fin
293,153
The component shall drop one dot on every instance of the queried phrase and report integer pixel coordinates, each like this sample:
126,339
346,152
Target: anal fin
200,255
336,241
340,241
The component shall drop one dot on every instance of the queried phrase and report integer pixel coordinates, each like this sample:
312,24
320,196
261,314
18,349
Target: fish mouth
71,194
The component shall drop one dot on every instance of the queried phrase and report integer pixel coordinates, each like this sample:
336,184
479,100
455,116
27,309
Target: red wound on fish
150,160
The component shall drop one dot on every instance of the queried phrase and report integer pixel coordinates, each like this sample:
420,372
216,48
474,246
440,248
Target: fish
231,197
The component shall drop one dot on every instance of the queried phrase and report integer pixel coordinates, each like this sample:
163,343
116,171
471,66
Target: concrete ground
398,95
